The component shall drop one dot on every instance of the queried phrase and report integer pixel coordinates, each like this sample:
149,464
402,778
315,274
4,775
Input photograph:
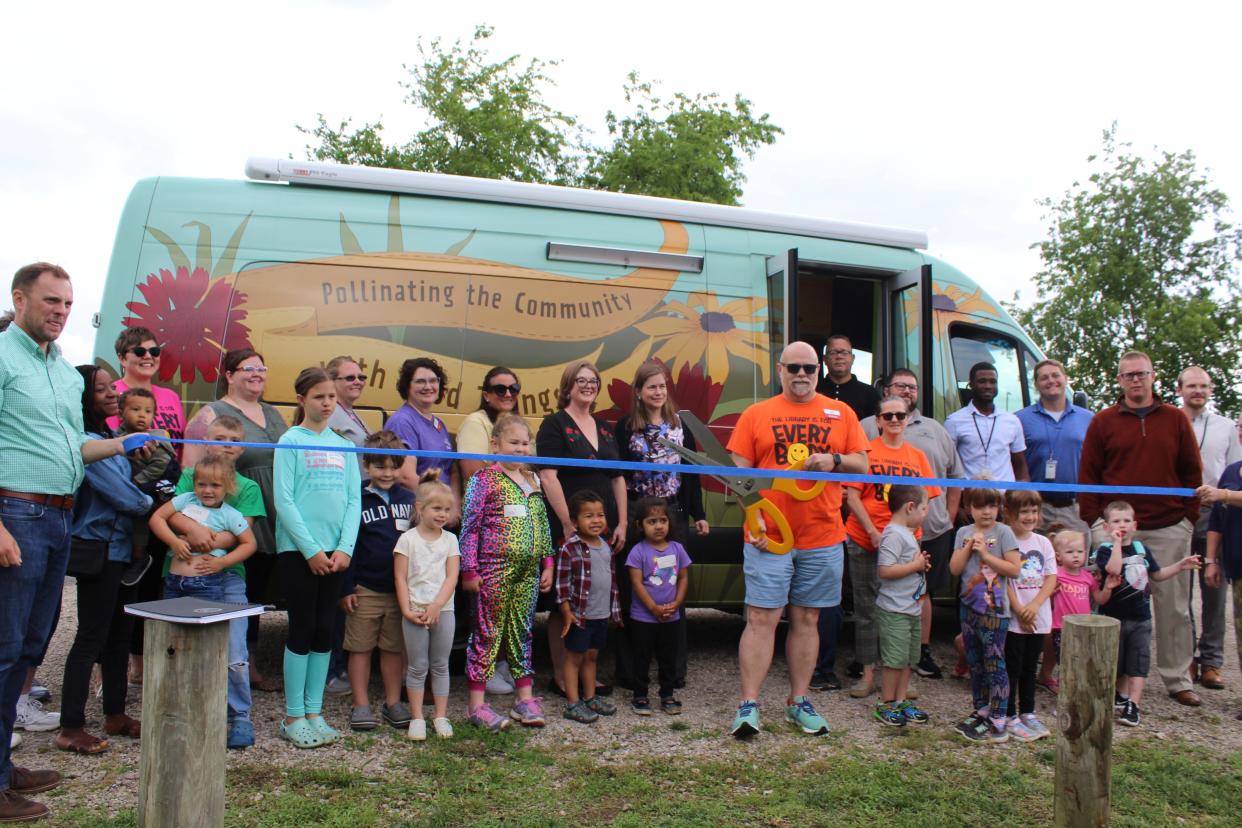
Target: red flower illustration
692,391
194,318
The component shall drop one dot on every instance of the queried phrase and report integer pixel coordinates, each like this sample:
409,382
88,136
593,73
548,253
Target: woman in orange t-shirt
889,454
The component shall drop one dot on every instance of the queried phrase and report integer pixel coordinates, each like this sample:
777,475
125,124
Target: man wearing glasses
1218,444
1141,441
1054,429
808,577
841,384
929,437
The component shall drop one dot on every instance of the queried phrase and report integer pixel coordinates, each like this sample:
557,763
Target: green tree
1140,256
490,119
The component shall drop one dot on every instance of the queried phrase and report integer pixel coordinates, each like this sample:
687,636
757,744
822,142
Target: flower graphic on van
192,317
702,329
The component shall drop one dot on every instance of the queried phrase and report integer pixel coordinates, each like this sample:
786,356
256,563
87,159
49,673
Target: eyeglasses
503,390
1134,376
586,382
140,351
899,416
903,386
809,368
839,352
352,378
253,369
424,383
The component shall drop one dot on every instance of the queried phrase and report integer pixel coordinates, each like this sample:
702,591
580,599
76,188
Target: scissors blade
706,441
744,487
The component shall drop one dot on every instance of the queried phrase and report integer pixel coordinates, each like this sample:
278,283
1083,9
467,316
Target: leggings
1022,656
312,602
427,649
984,639
103,635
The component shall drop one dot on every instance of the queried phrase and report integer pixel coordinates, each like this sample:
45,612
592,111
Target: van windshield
970,345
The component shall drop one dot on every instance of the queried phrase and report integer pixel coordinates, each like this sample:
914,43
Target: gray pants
428,648
1212,638
865,579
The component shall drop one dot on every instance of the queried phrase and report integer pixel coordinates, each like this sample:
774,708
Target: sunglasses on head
353,377
503,390
899,416
140,351
810,368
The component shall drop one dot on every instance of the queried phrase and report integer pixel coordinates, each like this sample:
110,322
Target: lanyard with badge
1050,465
974,418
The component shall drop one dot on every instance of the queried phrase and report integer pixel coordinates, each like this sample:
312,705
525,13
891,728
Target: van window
970,345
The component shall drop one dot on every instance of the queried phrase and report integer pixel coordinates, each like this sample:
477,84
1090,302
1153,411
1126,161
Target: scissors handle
794,489
772,516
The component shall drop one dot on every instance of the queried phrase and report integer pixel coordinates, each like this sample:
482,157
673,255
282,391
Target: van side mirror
1082,400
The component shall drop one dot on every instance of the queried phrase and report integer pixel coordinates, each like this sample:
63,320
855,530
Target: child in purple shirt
658,569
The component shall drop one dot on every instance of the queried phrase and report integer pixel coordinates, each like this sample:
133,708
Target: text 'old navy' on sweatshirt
386,515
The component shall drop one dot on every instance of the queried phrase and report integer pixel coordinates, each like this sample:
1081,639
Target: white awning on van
568,198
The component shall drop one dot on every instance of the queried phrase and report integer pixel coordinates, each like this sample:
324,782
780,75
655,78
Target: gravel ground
109,781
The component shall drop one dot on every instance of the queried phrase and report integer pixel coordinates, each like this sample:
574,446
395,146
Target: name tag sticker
196,513
665,561
832,414
403,524
515,510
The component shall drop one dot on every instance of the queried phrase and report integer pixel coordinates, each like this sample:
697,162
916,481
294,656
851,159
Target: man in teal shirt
42,454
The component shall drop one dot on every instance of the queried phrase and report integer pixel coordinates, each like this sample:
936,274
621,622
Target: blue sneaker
802,713
887,714
746,723
912,714
241,735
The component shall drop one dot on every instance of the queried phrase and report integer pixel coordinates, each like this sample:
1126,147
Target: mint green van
304,261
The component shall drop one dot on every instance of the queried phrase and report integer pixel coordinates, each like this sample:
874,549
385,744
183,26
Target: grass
502,779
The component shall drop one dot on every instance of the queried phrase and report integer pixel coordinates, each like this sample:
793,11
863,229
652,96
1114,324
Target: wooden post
1085,720
184,724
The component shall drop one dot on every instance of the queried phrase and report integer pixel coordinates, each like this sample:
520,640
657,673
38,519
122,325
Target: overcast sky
948,117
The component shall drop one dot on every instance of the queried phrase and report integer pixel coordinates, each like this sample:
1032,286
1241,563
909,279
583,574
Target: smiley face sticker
797,454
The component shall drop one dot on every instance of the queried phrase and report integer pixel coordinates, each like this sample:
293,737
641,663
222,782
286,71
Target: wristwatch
836,461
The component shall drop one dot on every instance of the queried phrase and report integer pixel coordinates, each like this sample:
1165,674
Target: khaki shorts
901,637
376,622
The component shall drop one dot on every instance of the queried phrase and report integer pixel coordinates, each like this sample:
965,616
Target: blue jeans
29,600
230,588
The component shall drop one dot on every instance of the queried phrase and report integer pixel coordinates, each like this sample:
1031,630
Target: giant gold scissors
760,512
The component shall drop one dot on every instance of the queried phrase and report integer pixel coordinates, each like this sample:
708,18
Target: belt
55,501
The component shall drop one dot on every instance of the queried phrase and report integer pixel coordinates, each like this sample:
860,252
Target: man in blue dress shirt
1054,429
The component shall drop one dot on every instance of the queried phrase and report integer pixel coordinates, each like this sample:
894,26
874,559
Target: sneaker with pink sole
484,716
528,712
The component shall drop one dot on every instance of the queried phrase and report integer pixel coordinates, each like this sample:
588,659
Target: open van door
782,271
908,330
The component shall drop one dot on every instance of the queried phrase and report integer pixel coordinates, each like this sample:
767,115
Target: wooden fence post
184,712
1085,720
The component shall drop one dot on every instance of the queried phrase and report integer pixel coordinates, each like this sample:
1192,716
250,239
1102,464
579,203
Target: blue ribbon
734,471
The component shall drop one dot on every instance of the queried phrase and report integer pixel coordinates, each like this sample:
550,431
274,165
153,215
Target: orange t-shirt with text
906,461
763,435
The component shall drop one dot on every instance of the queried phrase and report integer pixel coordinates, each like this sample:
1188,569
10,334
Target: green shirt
247,499
41,432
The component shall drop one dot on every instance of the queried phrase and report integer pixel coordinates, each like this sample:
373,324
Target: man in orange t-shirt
888,454
808,578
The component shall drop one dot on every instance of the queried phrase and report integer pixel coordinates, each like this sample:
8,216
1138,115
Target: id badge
1050,470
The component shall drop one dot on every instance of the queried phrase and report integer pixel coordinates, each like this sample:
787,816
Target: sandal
300,733
77,740
123,725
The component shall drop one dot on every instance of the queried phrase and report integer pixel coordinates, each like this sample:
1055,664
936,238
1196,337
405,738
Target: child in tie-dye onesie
504,539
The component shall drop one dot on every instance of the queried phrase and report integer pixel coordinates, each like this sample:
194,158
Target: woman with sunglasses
888,454
138,354
350,382
244,375
474,435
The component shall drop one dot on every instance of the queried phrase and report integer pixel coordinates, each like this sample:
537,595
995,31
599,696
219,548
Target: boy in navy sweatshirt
368,596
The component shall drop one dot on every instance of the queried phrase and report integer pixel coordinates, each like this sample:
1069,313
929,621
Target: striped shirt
41,432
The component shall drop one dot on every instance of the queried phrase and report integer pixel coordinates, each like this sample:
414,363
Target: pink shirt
1072,596
169,414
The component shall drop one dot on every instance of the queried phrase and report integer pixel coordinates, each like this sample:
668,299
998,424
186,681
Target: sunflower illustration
701,328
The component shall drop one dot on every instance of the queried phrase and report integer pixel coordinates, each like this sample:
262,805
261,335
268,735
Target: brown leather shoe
16,808
1187,697
25,781
1210,678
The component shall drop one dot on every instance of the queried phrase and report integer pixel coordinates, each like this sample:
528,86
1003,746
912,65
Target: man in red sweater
1141,441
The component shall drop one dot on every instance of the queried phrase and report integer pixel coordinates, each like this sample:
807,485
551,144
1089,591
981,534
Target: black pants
661,640
1022,658
312,602
103,635
149,588
259,568
829,632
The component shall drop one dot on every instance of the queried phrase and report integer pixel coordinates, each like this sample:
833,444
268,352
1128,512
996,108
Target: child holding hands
901,565
984,557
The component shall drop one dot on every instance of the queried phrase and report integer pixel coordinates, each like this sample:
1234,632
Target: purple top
418,432
660,572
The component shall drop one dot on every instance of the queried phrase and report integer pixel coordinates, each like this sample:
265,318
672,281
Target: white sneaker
418,730
444,729
501,682
31,716
15,739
